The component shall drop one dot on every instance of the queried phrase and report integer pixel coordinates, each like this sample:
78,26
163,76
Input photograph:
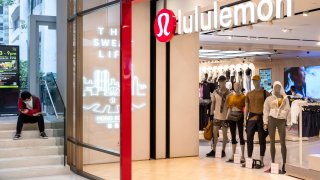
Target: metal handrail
55,110
54,107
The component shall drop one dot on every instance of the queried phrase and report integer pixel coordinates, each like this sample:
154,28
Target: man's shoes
211,154
223,154
43,135
16,137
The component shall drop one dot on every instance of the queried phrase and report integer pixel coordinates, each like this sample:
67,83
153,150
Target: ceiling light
248,38
229,37
207,51
305,14
318,43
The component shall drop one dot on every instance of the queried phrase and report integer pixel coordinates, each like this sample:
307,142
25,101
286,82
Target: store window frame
75,144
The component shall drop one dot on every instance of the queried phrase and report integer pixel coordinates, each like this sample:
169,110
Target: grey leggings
281,125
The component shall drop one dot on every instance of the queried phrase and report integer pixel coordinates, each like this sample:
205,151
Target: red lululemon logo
165,25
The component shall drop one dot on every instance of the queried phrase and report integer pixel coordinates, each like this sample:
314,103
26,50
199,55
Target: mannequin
248,79
240,77
278,102
228,74
219,109
233,77
236,102
254,119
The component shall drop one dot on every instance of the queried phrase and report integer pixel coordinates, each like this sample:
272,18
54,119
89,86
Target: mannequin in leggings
254,119
236,103
276,113
219,109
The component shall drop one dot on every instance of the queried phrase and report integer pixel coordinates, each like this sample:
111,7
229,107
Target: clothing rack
303,108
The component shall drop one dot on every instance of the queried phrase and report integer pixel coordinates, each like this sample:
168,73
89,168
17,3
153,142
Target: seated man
30,112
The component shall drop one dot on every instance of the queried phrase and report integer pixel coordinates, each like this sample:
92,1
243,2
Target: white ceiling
303,28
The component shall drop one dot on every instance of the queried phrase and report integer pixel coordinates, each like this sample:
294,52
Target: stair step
35,171
9,143
31,161
28,134
34,126
31,151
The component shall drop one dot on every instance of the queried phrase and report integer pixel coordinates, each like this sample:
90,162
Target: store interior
285,50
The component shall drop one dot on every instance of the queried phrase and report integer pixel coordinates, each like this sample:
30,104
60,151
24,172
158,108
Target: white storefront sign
241,14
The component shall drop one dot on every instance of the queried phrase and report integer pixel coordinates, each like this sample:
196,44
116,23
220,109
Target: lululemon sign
165,25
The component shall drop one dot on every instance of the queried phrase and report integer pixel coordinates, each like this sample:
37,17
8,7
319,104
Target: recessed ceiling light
229,37
305,14
318,43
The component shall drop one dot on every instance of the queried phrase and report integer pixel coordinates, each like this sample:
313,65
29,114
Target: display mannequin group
276,113
219,110
236,103
254,119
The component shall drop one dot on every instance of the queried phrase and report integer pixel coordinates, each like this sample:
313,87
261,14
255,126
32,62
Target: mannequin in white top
276,113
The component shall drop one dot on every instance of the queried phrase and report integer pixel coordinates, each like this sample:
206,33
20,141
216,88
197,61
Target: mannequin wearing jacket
276,113
236,103
219,110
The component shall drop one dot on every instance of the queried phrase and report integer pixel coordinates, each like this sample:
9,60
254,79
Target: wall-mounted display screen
305,80
9,71
266,78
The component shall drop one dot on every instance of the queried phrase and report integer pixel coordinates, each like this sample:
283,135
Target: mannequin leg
215,137
225,138
233,130
251,129
272,132
242,142
262,138
282,135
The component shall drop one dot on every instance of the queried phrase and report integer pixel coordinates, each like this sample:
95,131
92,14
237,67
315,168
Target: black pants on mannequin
252,127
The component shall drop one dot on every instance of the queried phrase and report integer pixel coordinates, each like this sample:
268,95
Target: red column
125,94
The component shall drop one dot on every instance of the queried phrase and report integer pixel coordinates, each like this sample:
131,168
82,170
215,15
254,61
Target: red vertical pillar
125,94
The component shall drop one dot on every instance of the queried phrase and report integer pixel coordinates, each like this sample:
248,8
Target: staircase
31,156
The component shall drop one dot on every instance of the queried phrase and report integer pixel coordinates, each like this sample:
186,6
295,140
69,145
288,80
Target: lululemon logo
165,25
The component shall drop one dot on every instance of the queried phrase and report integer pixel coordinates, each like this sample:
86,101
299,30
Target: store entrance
247,54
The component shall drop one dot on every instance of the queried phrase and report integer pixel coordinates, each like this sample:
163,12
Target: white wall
141,64
184,101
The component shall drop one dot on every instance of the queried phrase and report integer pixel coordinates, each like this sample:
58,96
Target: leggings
233,128
252,127
272,126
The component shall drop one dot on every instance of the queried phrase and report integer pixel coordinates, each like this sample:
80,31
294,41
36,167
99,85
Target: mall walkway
31,156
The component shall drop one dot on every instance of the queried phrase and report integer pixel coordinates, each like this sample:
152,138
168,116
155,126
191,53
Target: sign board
9,79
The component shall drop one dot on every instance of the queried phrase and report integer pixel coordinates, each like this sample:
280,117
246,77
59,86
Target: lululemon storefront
149,76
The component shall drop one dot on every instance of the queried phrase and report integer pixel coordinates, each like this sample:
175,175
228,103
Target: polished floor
204,168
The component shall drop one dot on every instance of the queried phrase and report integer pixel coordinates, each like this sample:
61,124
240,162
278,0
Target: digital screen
9,71
266,78
304,79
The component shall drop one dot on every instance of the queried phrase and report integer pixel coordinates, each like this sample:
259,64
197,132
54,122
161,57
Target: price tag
249,162
237,158
274,168
218,152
